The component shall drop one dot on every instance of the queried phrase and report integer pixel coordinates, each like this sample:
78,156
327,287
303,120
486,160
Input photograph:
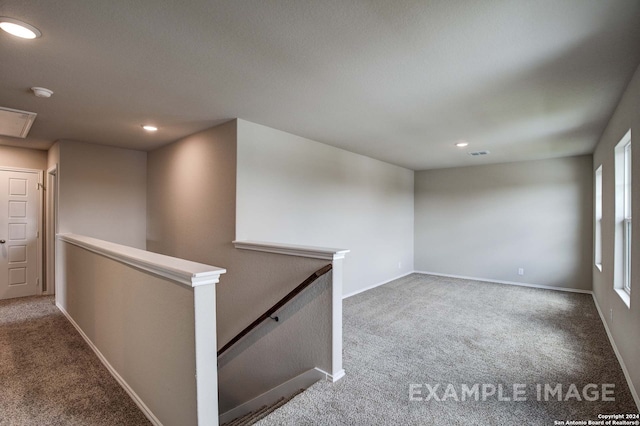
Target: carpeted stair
262,412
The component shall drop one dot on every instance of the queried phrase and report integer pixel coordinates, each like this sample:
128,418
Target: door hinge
37,234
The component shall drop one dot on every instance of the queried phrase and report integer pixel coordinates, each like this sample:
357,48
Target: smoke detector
41,92
15,123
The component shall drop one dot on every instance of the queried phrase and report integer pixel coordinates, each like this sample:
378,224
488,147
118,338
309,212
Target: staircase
262,412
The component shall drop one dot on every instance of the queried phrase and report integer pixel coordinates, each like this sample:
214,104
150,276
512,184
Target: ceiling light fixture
19,28
462,144
150,128
41,92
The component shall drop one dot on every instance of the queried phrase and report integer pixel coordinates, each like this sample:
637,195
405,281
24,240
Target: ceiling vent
479,153
15,123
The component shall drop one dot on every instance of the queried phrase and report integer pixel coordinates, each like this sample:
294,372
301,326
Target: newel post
204,298
337,372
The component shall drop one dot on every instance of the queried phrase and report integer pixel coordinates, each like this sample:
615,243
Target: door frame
51,228
39,245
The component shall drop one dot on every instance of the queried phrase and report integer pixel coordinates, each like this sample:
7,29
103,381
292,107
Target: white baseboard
545,287
145,410
376,285
286,389
617,352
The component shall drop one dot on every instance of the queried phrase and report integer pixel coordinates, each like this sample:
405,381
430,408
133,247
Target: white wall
102,192
488,221
623,322
294,190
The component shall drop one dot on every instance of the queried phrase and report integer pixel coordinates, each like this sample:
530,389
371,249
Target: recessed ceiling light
150,128
462,144
19,28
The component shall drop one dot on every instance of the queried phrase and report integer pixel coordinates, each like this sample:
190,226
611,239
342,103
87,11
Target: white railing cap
293,249
183,271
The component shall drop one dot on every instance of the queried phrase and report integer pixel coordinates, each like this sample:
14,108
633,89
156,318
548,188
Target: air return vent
15,123
479,153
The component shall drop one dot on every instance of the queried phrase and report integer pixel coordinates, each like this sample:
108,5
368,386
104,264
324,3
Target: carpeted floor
451,334
48,374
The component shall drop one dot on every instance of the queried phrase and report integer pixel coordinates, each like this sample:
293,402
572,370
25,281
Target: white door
18,234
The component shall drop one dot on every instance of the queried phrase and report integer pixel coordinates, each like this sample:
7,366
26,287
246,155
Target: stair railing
269,313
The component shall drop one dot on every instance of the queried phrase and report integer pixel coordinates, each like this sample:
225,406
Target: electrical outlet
520,271
399,265
611,315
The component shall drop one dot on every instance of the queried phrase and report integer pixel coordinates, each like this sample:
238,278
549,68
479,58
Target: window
598,219
622,266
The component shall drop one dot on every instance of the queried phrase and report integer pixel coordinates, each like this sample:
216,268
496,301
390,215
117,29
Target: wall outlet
611,315
520,271
399,265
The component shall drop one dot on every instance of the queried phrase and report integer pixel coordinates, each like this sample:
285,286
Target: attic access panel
15,123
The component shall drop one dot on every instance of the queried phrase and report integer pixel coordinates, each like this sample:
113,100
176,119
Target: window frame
623,222
597,253
627,222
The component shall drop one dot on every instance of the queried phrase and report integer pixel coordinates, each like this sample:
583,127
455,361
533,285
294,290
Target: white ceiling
400,81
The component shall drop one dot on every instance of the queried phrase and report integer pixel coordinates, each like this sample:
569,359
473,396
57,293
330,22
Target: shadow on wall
276,351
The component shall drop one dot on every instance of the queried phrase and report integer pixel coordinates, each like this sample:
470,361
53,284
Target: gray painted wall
623,322
53,155
488,221
295,190
141,323
23,158
102,192
191,215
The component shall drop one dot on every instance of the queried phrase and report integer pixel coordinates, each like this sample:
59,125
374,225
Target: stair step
262,412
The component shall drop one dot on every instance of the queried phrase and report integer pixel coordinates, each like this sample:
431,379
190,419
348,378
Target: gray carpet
48,374
432,330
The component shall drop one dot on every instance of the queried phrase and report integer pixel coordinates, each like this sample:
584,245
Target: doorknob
2,241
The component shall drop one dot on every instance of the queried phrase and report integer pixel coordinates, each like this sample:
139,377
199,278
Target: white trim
189,273
292,249
626,297
376,285
627,376
284,390
51,227
545,287
336,319
143,407
18,169
335,377
40,260
204,302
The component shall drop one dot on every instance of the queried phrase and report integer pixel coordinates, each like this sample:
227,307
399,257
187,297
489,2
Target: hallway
48,374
